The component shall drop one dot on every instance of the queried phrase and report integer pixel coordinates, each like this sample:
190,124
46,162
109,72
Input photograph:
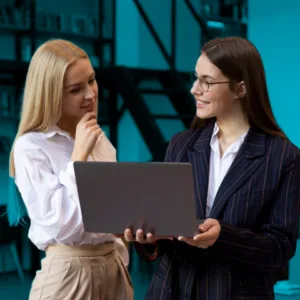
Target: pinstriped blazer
257,206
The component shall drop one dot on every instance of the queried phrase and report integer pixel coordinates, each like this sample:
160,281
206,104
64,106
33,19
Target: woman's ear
240,90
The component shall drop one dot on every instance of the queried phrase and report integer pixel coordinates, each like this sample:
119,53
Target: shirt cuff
70,171
67,178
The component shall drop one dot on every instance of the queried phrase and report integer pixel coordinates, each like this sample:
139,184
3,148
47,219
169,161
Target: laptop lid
156,197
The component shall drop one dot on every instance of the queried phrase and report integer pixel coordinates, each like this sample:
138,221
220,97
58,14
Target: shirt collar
214,142
53,130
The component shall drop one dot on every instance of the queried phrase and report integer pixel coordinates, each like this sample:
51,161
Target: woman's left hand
209,233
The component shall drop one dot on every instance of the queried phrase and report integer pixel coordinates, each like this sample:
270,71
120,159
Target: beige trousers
87,272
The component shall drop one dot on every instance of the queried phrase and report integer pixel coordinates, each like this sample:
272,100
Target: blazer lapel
199,157
245,164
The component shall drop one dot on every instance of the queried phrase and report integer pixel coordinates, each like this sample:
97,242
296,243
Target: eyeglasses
205,85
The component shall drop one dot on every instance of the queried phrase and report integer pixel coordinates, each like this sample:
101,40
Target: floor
12,289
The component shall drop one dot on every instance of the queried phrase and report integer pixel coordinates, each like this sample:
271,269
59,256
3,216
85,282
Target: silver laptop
156,197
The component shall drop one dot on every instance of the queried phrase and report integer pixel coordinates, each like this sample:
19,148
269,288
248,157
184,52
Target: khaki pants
87,272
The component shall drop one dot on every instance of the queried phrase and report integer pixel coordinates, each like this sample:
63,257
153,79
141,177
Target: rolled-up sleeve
51,200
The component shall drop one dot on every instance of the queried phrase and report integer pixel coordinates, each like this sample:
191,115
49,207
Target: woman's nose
195,87
89,93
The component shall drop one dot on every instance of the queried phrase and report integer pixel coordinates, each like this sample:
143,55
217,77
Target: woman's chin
204,115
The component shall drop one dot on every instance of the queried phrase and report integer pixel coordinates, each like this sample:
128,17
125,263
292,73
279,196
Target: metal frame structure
114,81
108,97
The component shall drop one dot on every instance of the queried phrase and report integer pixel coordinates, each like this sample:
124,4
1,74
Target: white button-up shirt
219,166
44,175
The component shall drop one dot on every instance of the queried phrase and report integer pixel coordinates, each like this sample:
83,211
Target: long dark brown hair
239,60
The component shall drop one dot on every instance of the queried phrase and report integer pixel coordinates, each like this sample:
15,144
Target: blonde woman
58,126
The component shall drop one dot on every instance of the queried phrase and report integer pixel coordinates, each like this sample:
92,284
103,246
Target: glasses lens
205,86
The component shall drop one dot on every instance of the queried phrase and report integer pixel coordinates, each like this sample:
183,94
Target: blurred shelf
27,27
224,20
20,67
56,34
5,29
7,118
13,66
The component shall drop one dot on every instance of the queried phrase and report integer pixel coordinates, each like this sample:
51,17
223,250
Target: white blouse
219,166
44,175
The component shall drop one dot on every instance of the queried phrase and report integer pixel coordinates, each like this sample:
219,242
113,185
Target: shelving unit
29,27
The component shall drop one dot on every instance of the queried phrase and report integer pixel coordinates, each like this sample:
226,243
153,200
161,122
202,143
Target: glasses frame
201,82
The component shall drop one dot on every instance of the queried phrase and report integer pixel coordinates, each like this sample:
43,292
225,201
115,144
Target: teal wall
274,29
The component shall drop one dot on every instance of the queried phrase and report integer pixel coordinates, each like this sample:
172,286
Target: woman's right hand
140,237
87,133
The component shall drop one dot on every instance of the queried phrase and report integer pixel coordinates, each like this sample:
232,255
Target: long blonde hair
42,101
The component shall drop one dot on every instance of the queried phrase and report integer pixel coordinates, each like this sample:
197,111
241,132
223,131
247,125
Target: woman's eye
74,91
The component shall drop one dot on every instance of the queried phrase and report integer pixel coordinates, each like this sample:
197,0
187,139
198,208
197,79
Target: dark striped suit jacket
257,206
